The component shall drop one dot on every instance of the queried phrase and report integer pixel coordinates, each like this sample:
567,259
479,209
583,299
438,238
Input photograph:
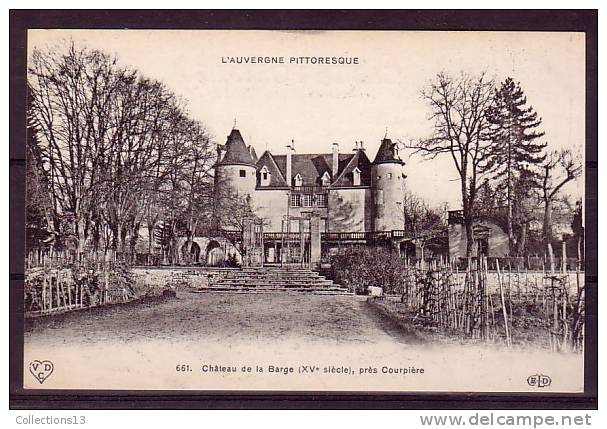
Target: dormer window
264,176
356,177
325,179
298,180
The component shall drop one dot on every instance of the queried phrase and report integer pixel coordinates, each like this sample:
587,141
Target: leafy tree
515,133
425,225
526,197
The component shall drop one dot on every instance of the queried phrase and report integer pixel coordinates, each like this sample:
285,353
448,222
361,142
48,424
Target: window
295,200
356,177
264,176
321,200
243,173
326,179
308,200
389,175
298,180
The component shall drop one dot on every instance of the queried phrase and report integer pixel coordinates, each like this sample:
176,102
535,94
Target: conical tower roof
237,152
387,152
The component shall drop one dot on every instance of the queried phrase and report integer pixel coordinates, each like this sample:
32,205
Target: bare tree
118,150
70,106
559,168
459,111
198,181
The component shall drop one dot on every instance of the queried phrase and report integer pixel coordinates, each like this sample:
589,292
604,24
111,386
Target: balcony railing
345,236
340,236
309,189
283,235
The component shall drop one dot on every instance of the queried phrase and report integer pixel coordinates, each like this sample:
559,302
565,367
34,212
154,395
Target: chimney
335,163
361,146
355,146
289,175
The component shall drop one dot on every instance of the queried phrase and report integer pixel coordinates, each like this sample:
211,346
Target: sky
316,105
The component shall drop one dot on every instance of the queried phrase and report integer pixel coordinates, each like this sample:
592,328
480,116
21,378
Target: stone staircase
276,279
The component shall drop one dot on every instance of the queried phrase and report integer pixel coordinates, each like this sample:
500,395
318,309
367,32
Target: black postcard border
461,20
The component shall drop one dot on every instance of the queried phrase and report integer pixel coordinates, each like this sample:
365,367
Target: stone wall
497,241
349,210
195,277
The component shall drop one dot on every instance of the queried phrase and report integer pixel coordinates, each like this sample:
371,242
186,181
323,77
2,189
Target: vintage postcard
327,211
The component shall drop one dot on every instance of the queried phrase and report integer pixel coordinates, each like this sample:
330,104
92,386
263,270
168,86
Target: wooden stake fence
442,296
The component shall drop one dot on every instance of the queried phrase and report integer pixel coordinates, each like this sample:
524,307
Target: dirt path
223,317
142,345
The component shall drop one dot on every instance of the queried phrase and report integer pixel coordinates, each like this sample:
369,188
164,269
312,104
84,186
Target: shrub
361,267
230,262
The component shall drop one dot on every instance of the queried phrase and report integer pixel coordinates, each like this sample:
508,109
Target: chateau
305,202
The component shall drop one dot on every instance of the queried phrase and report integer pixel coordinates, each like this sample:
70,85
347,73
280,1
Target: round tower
388,184
234,176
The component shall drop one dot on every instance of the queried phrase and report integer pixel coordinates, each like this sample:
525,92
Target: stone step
255,292
307,287
274,283
274,273
277,279
274,277
283,284
262,277
252,273
315,291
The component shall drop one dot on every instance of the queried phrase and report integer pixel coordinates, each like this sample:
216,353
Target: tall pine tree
516,149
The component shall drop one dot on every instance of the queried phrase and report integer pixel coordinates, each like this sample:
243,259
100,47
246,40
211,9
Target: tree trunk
579,252
509,199
564,255
522,242
548,231
550,257
150,239
510,229
79,238
468,219
469,237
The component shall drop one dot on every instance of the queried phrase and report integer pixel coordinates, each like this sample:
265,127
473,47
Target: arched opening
215,253
190,253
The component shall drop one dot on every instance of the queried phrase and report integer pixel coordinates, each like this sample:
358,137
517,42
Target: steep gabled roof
277,178
311,166
387,152
346,179
237,152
